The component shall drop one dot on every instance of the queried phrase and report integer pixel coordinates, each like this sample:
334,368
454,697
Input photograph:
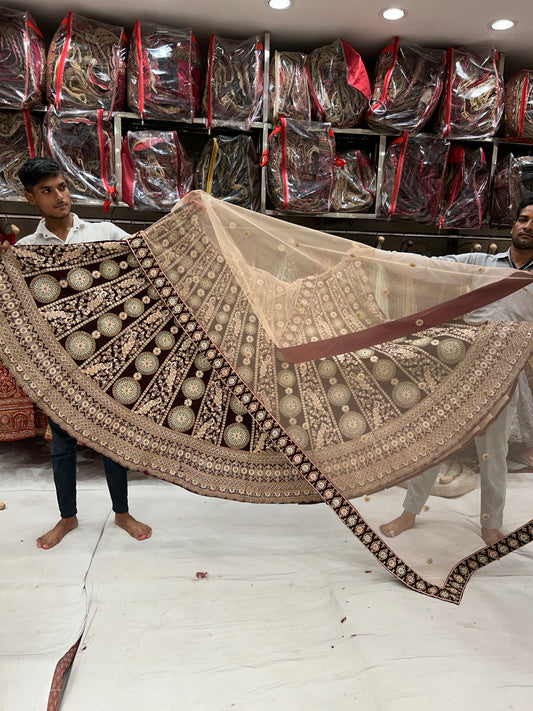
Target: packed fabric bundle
473,96
86,66
164,72
339,84
465,195
413,174
228,169
518,121
83,146
234,86
354,182
156,171
513,181
23,60
406,88
21,138
299,160
289,89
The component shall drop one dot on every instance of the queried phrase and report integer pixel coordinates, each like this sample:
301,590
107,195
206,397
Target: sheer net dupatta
339,354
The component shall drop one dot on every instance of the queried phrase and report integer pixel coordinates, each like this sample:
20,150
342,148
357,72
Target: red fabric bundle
354,182
21,138
23,60
518,122
466,189
513,181
289,90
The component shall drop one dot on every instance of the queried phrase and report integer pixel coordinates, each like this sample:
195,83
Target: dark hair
36,169
524,202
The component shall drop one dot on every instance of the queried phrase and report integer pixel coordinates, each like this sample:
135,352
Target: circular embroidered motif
286,378
352,425
109,269
247,350
327,369
450,350
201,362
236,436
193,388
126,390
146,363
164,340
109,325
384,370
290,406
194,302
153,293
237,407
79,279
339,395
365,353
45,289
406,395
80,345
132,261
134,307
181,418
299,435
246,373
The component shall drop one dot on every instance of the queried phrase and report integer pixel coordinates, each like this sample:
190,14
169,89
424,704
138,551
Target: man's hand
4,246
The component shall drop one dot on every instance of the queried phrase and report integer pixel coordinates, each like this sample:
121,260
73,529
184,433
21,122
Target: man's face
522,231
52,197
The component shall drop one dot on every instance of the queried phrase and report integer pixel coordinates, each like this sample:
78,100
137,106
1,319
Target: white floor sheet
293,613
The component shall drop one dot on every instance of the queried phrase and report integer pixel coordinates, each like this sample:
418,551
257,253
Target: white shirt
80,232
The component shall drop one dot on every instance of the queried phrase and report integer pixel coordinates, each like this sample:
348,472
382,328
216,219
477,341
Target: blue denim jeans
64,465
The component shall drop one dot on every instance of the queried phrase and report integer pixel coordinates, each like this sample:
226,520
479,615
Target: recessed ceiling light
502,24
280,4
393,13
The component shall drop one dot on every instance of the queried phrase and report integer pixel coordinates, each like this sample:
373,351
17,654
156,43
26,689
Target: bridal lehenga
247,358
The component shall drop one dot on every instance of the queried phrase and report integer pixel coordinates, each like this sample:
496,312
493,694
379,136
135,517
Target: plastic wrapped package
288,87
21,138
339,84
23,60
413,174
228,169
299,160
156,171
518,121
86,66
473,96
234,86
406,87
513,181
83,146
354,182
465,195
164,72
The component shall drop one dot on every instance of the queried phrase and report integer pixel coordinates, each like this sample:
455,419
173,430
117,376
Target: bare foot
57,533
491,535
136,529
404,522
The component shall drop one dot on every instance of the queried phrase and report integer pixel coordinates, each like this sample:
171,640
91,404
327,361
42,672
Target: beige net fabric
168,352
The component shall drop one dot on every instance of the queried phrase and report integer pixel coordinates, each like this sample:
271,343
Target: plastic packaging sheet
289,89
234,84
513,181
354,182
339,84
473,96
228,169
23,60
86,66
156,171
21,138
465,195
300,166
83,146
164,72
413,174
518,121
407,85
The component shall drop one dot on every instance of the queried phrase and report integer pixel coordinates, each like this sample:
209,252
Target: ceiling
313,23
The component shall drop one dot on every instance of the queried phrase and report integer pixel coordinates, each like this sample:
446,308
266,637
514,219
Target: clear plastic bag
83,146
228,169
234,85
21,138
86,67
513,181
288,87
164,72
408,81
473,96
354,182
299,162
465,196
518,121
23,60
339,84
413,175
156,171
